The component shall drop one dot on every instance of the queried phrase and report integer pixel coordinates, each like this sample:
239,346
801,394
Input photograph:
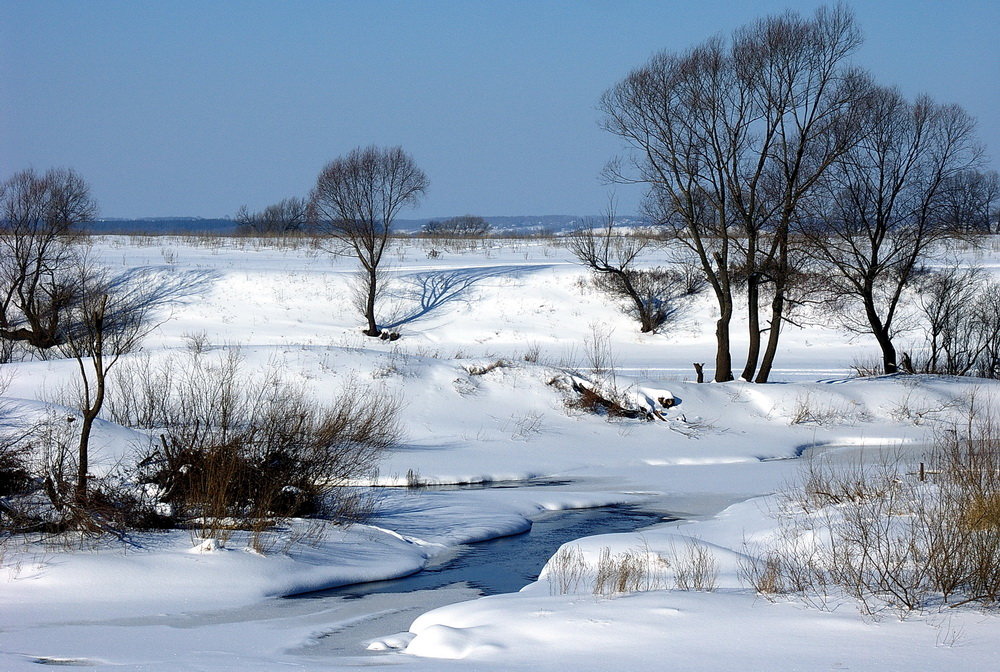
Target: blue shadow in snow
434,289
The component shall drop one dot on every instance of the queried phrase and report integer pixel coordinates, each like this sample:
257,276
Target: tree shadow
434,289
137,292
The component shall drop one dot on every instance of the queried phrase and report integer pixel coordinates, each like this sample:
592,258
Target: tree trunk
889,364
645,319
780,278
372,329
753,313
82,461
777,310
881,331
83,456
723,357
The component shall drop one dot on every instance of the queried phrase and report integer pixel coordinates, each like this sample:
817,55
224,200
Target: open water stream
501,565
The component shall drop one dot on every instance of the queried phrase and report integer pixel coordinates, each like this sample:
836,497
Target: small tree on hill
355,201
653,295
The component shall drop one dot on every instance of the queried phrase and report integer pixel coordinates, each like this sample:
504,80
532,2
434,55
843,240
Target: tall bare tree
356,199
667,113
38,218
805,105
884,208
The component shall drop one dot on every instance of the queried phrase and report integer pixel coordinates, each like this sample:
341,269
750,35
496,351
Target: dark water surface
507,564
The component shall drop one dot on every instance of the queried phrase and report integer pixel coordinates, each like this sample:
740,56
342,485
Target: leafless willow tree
883,209
356,199
286,216
657,109
38,218
730,136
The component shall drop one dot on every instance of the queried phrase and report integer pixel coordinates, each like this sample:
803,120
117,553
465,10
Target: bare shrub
483,369
139,392
524,425
16,481
805,412
866,367
236,452
566,570
695,568
656,296
961,315
590,400
653,296
762,570
793,566
890,539
631,571
38,470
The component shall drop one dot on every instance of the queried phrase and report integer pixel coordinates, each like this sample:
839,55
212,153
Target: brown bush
239,453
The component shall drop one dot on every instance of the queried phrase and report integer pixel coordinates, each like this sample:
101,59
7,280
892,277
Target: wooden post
699,368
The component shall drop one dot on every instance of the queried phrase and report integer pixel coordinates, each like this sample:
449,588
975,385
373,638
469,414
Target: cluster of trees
464,226
790,176
290,215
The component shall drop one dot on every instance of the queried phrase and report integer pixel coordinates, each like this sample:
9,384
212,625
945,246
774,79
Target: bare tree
654,295
662,110
883,209
38,217
961,321
803,112
286,216
109,317
355,201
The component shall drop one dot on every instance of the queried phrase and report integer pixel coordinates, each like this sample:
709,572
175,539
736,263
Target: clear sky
194,108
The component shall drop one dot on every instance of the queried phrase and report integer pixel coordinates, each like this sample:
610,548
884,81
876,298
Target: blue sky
194,108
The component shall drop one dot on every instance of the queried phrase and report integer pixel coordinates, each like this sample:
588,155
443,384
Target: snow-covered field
162,604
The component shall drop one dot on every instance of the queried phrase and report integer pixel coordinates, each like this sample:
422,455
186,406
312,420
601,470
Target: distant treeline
225,226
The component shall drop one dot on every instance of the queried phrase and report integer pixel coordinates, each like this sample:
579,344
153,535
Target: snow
168,601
